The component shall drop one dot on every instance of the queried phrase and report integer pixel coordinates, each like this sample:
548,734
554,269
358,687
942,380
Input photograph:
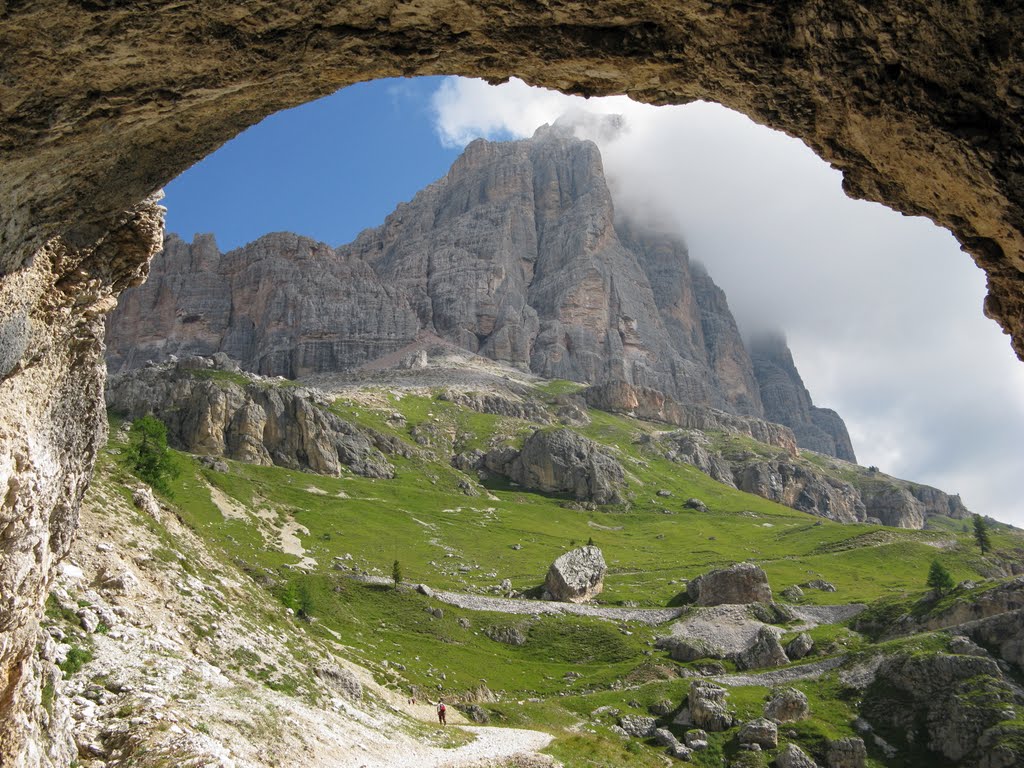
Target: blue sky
882,311
327,169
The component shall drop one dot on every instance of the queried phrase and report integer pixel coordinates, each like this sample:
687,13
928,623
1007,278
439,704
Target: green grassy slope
450,540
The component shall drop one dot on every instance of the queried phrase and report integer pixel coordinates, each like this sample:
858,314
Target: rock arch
103,101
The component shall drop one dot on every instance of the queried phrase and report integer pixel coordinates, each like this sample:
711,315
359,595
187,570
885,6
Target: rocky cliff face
52,423
787,401
516,255
214,412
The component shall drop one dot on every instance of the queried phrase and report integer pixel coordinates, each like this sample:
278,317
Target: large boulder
576,576
799,646
794,757
787,705
560,461
761,731
707,707
847,753
765,652
739,583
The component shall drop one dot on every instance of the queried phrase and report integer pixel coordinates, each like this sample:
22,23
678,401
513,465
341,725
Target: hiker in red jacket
441,710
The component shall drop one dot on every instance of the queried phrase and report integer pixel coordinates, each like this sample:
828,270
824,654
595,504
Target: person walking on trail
441,712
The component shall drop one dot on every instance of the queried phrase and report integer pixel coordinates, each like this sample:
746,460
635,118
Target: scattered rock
475,712
689,648
739,583
341,680
696,504
824,586
847,753
793,593
661,708
799,646
509,635
559,460
576,576
787,705
638,725
706,704
664,494
696,739
761,731
765,652
794,757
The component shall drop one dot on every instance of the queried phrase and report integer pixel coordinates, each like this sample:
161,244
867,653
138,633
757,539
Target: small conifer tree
148,454
939,578
396,573
981,534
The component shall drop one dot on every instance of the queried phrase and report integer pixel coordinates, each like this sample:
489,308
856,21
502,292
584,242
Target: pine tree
396,573
148,454
981,534
939,578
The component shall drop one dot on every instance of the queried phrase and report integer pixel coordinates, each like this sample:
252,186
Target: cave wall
103,101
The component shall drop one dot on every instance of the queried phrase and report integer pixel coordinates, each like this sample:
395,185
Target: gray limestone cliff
216,412
787,401
517,254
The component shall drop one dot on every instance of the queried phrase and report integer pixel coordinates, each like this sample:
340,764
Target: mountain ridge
517,254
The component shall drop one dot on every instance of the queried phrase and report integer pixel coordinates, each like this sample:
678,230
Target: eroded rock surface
52,422
250,419
576,576
738,584
559,461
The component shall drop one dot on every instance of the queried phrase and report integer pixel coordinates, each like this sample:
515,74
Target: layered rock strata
515,255
250,419
821,486
561,461
52,422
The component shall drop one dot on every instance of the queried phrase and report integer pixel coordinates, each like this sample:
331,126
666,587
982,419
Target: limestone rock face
786,705
765,652
576,576
786,400
738,584
826,487
759,731
250,421
515,255
52,422
559,460
945,701
653,405
794,757
707,706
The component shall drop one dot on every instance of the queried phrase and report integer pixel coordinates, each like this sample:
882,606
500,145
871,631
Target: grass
450,540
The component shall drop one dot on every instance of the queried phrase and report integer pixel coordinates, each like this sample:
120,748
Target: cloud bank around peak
882,311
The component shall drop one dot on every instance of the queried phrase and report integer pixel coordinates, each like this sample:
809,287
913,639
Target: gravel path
652,617
813,615
649,616
810,671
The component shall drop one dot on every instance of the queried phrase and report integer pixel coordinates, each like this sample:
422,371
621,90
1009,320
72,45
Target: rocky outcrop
249,419
498,404
515,255
738,584
766,651
786,400
561,461
707,707
52,423
786,705
653,405
819,485
759,731
794,757
576,576
947,702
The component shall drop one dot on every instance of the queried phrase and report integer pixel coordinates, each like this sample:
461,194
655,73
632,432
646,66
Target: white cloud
883,312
